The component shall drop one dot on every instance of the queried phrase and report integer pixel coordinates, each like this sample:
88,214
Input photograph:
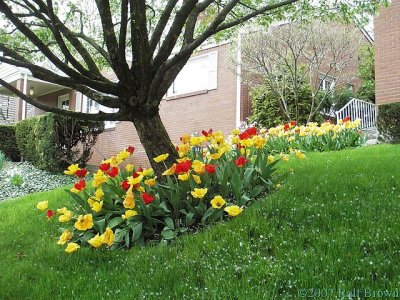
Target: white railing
359,109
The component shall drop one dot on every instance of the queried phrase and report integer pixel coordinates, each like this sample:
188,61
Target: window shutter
213,70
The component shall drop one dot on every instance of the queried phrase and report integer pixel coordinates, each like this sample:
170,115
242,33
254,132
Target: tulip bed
214,179
333,225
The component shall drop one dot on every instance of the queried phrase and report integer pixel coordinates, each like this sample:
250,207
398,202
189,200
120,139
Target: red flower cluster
347,119
81,173
80,185
147,198
248,133
183,167
240,161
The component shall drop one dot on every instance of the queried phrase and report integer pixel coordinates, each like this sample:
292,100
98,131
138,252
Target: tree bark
155,140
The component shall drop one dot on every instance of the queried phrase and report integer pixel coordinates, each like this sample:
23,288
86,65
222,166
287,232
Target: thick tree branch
122,36
140,42
162,22
174,32
95,84
110,36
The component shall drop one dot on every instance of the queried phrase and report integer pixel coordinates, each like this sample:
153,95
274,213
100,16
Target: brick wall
387,55
214,109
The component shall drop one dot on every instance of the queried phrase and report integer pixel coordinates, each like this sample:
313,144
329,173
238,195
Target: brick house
206,94
387,54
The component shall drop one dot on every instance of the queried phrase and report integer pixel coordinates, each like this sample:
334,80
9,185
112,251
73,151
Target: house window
92,107
63,102
326,83
200,73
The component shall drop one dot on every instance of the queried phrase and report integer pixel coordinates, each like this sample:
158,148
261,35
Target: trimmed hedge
389,123
8,142
52,142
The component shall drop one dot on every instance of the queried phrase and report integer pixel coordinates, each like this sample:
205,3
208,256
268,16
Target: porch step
372,135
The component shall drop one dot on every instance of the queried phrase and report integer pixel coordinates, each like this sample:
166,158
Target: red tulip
113,172
207,133
210,168
240,161
80,185
130,149
81,173
147,198
347,119
293,123
183,167
286,127
50,213
125,185
104,167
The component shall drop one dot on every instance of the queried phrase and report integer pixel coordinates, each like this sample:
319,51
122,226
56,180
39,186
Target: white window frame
61,99
212,83
92,107
323,80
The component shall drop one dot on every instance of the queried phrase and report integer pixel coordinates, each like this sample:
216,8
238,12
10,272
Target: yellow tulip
96,241
65,237
129,214
134,181
198,167
129,200
72,169
108,237
150,182
99,194
183,177
196,178
199,193
161,157
271,159
84,222
217,202
170,171
123,155
66,215
72,247
300,155
99,178
42,205
233,210
129,168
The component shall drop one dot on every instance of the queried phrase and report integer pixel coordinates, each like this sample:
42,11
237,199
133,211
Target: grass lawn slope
334,225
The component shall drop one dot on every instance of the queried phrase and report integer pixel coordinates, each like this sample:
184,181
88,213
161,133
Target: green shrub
388,122
51,142
8,142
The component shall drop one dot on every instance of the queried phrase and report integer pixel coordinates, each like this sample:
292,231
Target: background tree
145,43
366,71
293,56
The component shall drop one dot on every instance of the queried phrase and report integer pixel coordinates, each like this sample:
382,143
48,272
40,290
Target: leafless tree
287,56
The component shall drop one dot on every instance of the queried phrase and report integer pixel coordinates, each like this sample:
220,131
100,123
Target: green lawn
334,225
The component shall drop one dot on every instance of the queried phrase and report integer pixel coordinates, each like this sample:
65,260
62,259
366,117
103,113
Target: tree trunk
155,140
